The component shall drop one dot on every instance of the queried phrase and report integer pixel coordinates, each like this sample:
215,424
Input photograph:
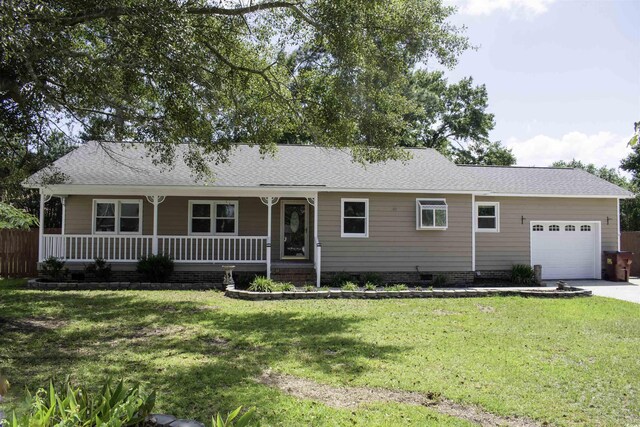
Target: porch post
269,205
318,249
154,242
41,231
63,200
473,233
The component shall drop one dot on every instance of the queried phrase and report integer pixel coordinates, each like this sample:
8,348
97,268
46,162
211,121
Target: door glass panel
294,231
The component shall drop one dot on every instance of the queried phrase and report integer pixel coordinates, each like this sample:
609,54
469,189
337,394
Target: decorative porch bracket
269,202
155,200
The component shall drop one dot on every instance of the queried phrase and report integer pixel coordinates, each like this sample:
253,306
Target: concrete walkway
618,290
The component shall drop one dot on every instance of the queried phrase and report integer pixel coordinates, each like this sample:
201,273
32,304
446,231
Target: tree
11,217
20,157
452,118
629,208
212,74
636,134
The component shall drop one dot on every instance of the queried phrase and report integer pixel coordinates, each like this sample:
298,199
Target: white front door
566,249
294,224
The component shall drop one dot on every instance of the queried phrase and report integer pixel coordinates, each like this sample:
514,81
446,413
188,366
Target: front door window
294,230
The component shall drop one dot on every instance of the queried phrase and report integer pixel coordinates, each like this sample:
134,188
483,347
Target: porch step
296,275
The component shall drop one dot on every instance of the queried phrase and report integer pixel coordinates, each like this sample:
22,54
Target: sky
563,76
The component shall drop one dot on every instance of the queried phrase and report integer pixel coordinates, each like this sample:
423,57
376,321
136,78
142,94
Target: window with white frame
488,217
355,218
117,216
431,214
212,216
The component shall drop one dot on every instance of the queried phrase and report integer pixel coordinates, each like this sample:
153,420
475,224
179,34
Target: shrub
53,269
284,287
75,406
155,268
309,288
373,278
439,280
397,287
522,274
324,288
100,269
262,284
231,421
340,279
349,286
369,286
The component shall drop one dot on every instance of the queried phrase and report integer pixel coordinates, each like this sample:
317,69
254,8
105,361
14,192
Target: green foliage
262,284
212,74
11,217
284,287
231,421
374,278
340,279
309,288
75,406
100,269
452,118
396,287
54,269
608,174
370,286
439,280
522,274
155,268
349,286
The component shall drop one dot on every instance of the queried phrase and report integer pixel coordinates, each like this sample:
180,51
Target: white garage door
566,250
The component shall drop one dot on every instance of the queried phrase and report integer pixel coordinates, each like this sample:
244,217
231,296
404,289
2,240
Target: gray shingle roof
296,166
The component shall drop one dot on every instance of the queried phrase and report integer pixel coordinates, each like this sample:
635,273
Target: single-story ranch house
308,213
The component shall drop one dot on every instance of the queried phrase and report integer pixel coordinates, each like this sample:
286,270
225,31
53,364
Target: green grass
567,362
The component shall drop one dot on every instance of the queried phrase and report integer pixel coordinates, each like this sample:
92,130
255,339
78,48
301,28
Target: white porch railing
80,247
237,249
128,248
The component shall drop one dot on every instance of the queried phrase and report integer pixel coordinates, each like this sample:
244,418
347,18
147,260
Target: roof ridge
517,167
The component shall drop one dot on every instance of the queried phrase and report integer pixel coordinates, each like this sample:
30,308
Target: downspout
473,232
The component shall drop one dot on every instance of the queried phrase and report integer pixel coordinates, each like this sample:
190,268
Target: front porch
266,233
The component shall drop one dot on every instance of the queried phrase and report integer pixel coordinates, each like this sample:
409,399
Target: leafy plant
75,406
309,288
231,421
54,269
373,278
100,269
11,217
522,274
155,268
439,280
324,288
349,286
340,279
370,286
397,287
262,284
284,287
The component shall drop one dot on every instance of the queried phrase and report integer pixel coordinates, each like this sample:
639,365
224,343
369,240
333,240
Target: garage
566,249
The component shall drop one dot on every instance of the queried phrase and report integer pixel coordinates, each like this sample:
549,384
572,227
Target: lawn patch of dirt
486,308
440,312
31,324
353,397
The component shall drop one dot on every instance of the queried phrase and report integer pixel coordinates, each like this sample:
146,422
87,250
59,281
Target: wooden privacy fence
18,253
630,241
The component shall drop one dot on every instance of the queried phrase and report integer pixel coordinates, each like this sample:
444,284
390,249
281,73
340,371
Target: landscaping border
570,292
120,286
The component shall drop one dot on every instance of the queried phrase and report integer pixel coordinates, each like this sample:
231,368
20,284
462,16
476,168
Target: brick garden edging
572,292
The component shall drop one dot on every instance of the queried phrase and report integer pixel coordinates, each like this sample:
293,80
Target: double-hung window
355,218
488,217
213,217
117,216
432,214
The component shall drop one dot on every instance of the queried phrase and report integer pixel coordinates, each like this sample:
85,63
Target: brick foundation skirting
422,278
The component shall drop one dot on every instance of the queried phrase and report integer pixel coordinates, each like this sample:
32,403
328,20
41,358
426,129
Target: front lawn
567,362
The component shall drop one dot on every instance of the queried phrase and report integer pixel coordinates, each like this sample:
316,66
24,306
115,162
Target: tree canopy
215,73
453,118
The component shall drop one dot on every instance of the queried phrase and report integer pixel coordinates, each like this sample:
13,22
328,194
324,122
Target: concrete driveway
618,290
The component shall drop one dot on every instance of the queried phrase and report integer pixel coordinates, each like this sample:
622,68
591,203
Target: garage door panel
568,253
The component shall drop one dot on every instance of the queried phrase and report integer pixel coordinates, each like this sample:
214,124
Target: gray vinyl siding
394,244
173,217
499,251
